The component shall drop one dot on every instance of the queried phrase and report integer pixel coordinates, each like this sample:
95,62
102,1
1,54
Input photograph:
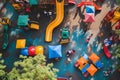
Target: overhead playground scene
59,39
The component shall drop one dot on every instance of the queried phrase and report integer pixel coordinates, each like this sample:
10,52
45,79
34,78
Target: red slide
109,15
118,26
89,3
71,1
107,52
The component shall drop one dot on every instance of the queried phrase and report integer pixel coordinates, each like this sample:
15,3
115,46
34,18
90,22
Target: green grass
118,2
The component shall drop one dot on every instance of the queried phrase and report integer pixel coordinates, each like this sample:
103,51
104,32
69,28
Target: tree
32,68
2,67
117,55
117,48
118,1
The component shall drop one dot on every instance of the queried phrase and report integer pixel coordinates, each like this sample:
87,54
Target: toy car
65,36
16,6
34,25
5,21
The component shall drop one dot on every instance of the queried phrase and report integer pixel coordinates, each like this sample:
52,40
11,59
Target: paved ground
77,41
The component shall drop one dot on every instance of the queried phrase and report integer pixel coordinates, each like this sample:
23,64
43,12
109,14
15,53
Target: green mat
22,20
33,2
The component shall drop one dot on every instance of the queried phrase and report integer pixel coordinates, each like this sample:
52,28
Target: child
70,52
88,39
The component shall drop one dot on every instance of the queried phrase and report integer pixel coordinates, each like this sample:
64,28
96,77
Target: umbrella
55,51
90,9
89,17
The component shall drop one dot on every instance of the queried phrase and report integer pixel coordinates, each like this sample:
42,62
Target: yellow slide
56,21
116,15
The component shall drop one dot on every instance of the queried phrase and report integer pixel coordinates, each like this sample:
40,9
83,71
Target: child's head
73,50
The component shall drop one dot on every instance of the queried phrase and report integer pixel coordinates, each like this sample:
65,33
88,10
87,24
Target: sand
94,27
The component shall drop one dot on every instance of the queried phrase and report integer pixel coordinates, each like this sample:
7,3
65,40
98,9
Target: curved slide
117,14
89,3
56,22
107,52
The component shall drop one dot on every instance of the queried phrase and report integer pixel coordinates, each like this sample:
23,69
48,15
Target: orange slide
56,21
89,3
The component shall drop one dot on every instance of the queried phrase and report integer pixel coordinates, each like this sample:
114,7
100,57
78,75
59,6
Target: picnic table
23,20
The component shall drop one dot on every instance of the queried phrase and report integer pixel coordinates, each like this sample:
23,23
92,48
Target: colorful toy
90,14
85,67
16,6
5,21
34,25
107,43
20,43
24,51
39,50
113,15
116,16
32,50
92,69
81,62
96,60
57,21
90,9
23,20
65,36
